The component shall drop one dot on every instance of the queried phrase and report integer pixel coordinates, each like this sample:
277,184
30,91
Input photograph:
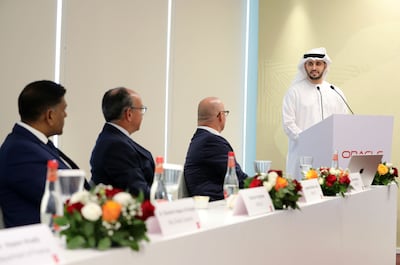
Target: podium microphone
322,107
333,88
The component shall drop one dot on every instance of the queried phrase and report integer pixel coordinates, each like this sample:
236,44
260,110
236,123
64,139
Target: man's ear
128,114
49,116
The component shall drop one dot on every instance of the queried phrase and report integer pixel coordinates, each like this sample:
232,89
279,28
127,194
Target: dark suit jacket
206,165
119,161
23,167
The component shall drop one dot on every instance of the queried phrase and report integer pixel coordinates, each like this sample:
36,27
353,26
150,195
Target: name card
311,191
31,244
356,182
253,201
174,217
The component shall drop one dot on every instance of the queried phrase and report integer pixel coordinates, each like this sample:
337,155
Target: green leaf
92,242
61,220
134,245
104,243
88,228
76,242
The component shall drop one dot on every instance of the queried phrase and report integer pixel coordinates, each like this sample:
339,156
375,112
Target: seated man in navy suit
207,156
116,159
26,150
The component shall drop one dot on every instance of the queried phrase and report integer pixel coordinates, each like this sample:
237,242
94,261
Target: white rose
80,196
389,165
272,176
123,198
321,181
334,171
91,211
268,185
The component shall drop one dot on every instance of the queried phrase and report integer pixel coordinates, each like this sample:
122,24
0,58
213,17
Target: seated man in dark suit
116,159
26,150
207,156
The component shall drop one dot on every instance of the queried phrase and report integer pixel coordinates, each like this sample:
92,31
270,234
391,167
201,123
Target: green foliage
126,230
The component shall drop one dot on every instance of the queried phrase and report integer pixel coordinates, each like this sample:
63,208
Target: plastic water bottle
158,192
335,160
231,182
51,204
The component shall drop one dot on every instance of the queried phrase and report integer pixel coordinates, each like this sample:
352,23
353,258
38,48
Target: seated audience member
116,159
207,156
26,150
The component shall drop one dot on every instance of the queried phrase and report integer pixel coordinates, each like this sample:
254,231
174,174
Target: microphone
322,107
333,88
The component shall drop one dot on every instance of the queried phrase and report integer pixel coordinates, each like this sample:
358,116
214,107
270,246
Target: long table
357,229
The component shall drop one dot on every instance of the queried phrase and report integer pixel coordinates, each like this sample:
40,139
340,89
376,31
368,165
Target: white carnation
91,211
80,196
123,198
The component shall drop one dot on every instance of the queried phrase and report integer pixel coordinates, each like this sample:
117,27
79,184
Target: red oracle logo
350,153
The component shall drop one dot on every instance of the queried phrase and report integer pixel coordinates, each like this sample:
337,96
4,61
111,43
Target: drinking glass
306,163
172,175
71,181
262,166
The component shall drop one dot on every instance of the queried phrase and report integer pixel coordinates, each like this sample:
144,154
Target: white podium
349,135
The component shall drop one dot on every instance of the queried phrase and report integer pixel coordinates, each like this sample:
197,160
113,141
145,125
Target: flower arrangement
284,192
332,180
104,217
385,174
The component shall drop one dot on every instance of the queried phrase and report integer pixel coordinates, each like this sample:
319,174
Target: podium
347,134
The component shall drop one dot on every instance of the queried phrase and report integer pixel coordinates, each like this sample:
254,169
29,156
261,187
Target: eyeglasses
225,112
142,109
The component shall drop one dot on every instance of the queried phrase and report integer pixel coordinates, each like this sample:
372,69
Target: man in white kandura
309,100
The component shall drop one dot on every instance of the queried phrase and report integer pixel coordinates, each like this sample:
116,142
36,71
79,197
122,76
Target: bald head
208,113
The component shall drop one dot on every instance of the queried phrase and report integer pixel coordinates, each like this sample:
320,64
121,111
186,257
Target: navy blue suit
206,165
119,161
23,167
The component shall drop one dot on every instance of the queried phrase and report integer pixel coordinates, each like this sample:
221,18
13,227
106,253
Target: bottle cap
52,164
159,160
230,153
159,164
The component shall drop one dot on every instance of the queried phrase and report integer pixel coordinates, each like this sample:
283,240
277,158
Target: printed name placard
356,182
253,201
31,244
311,191
174,217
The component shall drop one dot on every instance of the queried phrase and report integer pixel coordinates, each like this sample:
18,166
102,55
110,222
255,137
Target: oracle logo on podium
349,135
346,154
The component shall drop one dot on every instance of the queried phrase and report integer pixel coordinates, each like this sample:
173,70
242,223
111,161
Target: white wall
362,39
26,51
106,44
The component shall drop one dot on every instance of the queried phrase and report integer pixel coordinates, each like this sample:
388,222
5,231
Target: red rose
147,210
74,207
330,180
255,183
297,185
344,180
395,172
111,192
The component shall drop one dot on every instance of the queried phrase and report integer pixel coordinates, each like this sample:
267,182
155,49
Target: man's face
315,69
137,115
58,115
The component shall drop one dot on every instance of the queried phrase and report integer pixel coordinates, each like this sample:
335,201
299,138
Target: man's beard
315,77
